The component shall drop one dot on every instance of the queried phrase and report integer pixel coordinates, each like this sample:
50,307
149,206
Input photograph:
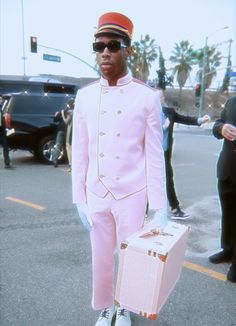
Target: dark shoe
231,275
9,166
221,257
178,214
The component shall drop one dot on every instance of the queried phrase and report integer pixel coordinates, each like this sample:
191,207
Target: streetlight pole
203,77
23,36
202,94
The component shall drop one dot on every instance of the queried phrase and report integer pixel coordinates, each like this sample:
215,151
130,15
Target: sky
70,25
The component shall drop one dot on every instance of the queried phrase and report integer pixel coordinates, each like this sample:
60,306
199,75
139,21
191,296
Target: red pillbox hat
114,23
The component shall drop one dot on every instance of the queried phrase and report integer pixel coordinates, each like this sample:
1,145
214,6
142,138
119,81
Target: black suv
31,117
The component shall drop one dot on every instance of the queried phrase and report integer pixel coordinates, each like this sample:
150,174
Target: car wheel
45,147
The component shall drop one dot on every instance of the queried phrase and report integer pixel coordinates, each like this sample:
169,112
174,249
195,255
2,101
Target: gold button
119,112
101,155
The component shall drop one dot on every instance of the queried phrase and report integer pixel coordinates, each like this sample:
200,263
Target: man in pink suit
117,158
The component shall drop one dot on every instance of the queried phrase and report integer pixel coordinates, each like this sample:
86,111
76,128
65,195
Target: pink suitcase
150,265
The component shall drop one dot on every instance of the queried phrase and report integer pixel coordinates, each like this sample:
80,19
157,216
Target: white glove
158,219
85,216
204,119
166,123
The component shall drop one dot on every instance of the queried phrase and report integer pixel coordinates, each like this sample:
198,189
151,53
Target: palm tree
213,60
183,58
144,53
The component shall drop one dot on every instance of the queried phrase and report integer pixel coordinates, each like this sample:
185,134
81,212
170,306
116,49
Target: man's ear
129,50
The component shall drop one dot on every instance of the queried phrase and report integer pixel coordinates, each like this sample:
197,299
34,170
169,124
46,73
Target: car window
59,89
36,104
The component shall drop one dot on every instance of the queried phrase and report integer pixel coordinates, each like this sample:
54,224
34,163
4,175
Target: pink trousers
113,221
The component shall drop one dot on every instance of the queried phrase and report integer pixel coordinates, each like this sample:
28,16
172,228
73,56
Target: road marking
204,270
186,264
26,203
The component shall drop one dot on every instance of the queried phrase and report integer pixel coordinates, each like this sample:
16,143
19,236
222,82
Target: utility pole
203,77
202,95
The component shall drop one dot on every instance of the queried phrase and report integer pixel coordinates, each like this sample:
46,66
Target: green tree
163,79
183,55
226,80
144,53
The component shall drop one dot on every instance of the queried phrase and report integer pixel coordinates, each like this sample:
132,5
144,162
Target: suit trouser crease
5,146
113,221
227,195
60,142
170,187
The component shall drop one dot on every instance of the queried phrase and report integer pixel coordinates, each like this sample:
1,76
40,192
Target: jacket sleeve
218,125
79,154
185,120
155,164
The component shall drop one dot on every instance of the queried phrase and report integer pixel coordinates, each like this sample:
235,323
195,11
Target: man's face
113,65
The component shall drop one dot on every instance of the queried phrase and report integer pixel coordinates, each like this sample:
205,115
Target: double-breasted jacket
117,141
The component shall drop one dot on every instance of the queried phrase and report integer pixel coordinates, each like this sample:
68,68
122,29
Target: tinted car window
59,89
36,104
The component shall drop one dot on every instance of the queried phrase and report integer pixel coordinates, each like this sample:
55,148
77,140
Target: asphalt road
45,258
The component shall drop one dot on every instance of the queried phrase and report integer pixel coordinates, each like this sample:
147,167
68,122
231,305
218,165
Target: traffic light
33,44
198,90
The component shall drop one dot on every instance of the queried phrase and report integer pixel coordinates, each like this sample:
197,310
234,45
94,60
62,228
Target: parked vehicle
31,118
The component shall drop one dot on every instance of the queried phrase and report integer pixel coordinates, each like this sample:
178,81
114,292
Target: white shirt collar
122,81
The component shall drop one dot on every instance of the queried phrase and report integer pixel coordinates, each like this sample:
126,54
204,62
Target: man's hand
228,132
85,216
204,119
158,218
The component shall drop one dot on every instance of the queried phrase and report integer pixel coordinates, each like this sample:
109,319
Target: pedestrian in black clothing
60,137
4,142
225,127
68,118
169,117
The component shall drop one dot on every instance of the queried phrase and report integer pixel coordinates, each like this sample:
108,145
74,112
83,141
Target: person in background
3,140
117,159
169,117
59,146
225,128
67,115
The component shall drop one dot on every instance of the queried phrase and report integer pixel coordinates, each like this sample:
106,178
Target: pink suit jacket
117,142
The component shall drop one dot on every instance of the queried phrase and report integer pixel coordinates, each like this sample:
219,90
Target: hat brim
111,32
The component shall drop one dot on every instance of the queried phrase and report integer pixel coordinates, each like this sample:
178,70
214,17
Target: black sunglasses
113,46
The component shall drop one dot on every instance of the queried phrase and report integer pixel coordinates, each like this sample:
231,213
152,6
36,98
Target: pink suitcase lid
153,241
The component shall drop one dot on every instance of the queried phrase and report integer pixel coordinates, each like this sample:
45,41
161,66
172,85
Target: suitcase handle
155,233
